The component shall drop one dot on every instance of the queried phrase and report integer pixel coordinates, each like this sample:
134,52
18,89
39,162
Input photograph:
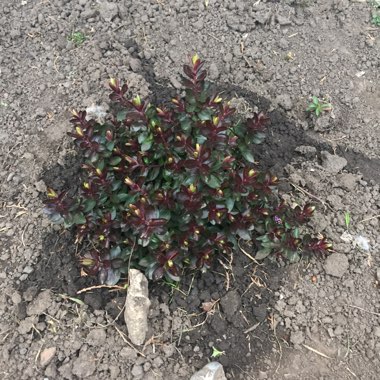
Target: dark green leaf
153,174
262,254
165,214
115,252
79,218
240,129
89,204
258,138
230,204
114,161
205,114
246,152
186,124
121,115
244,234
212,181
146,145
113,277
110,146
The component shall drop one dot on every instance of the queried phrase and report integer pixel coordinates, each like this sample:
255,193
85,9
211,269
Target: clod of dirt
336,265
333,163
213,71
40,304
348,181
108,11
211,371
285,101
297,337
135,64
308,151
85,365
47,356
137,307
96,337
231,303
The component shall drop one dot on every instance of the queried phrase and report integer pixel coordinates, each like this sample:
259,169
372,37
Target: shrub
171,187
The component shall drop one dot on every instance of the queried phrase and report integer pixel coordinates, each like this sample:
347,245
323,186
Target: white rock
211,371
137,307
362,242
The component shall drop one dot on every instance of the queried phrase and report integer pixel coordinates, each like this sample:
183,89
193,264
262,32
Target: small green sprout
216,353
73,299
318,106
376,19
77,37
347,219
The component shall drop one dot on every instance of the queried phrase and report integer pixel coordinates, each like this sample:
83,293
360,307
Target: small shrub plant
168,188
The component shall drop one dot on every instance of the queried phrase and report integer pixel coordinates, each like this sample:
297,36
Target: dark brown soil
312,320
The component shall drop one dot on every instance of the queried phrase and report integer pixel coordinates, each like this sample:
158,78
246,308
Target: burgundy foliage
168,188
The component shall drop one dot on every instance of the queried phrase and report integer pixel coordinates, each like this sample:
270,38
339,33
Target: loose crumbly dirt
313,320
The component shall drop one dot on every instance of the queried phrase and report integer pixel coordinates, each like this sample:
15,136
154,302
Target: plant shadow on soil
249,299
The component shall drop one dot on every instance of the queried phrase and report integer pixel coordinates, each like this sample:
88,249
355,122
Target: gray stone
336,265
175,82
260,312
28,269
307,151
137,307
263,375
85,365
211,371
333,163
297,337
285,101
282,20
137,370
231,303
96,337
262,17
47,356
128,353
41,186
40,304
135,64
26,325
376,331
108,11
213,71
347,181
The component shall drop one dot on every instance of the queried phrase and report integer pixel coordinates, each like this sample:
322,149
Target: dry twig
366,311
128,342
368,219
247,254
311,195
316,351
254,327
114,287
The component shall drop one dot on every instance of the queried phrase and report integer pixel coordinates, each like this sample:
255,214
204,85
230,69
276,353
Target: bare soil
312,320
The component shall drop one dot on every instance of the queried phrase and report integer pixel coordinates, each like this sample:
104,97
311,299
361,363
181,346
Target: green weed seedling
77,38
216,353
347,219
318,106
